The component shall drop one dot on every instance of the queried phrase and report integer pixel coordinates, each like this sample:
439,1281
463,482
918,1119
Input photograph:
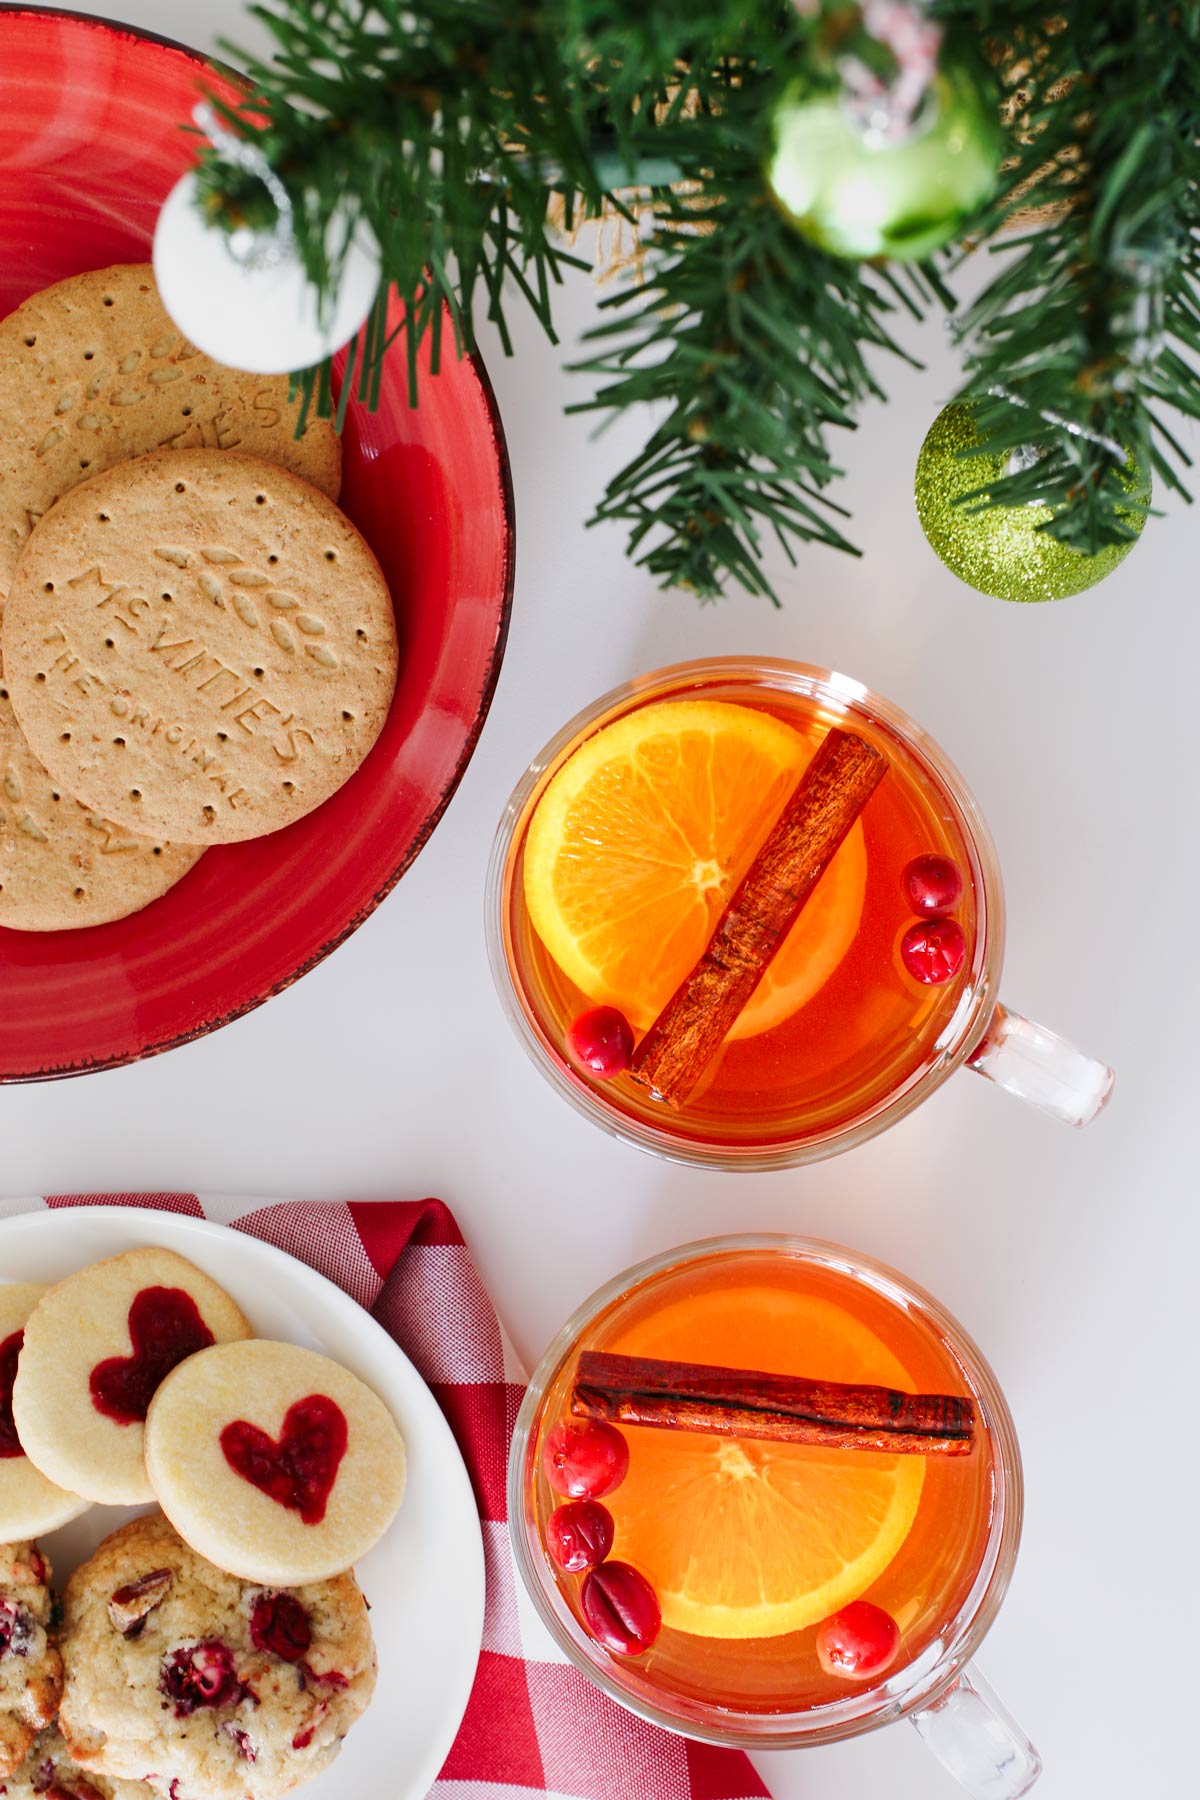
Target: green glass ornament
860,194
1000,551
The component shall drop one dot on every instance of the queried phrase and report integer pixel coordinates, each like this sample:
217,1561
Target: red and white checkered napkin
534,1726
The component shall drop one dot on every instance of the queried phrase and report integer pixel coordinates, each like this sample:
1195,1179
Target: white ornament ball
264,320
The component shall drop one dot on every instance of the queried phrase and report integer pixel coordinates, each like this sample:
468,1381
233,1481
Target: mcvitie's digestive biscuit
61,864
199,645
93,372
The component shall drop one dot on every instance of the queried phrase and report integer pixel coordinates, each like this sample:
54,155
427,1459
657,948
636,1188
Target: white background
390,1072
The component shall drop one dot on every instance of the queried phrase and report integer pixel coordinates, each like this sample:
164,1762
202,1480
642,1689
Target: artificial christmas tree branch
450,127
754,344
1089,324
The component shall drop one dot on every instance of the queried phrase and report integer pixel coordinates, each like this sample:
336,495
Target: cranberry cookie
96,1347
49,1771
29,1502
276,1463
30,1667
207,1687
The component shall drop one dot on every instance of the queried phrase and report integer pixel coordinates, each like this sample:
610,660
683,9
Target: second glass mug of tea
630,833
760,1590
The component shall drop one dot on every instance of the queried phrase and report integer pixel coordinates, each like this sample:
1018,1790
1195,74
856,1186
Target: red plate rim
214,1022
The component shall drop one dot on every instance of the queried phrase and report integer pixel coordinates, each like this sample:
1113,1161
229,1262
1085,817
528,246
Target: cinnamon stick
786,1409
693,1025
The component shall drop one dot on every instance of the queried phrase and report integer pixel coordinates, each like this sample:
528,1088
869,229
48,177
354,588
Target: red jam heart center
10,1349
164,1327
299,1471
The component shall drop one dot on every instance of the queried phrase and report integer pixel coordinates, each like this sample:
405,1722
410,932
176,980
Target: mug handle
980,1743
1039,1066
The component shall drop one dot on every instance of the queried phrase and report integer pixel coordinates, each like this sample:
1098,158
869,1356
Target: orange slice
753,1540
641,837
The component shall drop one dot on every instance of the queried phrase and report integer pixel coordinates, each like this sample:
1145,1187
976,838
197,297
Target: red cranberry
328,1677
579,1535
202,1675
241,1740
601,1041
932,884
859,1641
584,1458
305,1736
621,1609
279,1623
933,950
17,1628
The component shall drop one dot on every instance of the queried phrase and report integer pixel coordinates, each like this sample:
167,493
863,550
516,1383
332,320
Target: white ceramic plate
424,1579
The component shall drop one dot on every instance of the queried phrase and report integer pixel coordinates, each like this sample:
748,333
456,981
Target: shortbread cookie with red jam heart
96,1348
274,1462
49,1770
29,1502
208,1687
30,1666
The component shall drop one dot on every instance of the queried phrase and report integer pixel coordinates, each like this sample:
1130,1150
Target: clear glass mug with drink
707,1510
636,852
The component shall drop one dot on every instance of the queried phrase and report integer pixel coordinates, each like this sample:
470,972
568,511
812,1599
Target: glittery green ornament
1000,551
860,194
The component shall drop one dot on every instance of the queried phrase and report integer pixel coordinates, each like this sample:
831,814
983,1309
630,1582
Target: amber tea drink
748,913
766,1492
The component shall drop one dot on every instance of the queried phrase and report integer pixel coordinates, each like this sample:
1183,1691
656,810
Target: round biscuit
93,371
61,865
200,646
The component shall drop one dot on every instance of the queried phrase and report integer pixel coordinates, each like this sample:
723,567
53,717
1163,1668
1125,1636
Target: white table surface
390,1072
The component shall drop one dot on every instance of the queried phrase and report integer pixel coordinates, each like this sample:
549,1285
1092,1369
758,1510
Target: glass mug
772,1302
843,1039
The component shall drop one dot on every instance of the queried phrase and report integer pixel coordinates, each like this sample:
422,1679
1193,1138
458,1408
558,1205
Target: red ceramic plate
89,146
